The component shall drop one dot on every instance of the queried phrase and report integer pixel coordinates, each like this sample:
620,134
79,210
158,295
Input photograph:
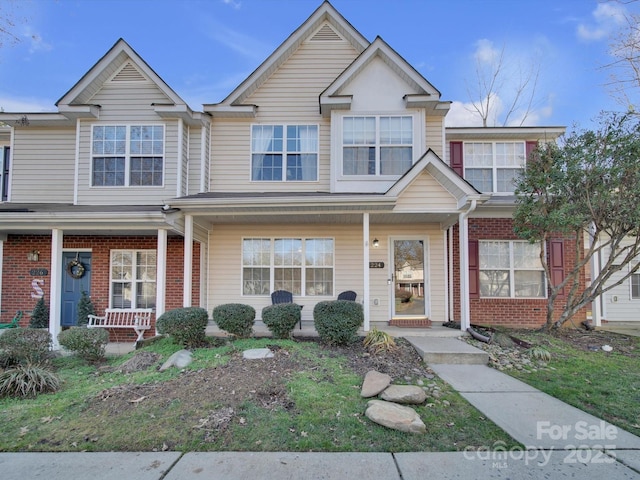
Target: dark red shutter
474,269
455,157
529,148
556,262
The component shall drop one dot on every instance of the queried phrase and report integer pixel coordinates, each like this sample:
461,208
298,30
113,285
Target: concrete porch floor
308,330
623,328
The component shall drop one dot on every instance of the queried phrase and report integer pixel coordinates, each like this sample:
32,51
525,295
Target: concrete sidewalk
514,464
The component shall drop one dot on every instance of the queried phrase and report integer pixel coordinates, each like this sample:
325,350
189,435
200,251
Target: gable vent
326,34
128,73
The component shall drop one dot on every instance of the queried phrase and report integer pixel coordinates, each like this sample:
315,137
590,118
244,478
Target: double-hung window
133,278
377,145
127,155
302,266
284,153
493,167
511,269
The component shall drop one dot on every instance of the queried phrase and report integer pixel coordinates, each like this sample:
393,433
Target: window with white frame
493,167
635,286
377,145
284,153
302,266
133,279
511,269
127,155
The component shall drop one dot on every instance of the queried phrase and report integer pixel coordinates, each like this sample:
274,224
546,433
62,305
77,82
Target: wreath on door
75,269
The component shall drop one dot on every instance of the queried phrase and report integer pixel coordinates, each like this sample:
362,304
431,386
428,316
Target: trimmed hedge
337,321
281,318
185,326
25,345
87,343
235,318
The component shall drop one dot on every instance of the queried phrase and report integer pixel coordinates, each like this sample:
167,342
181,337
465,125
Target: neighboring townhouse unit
328,169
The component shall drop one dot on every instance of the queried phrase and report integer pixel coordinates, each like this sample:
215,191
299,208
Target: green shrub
187,326
235,318
27,381
85,308
337,321
40,315
87,343
25,345
281,318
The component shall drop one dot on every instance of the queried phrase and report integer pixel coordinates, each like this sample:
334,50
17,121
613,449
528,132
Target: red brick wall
510,312
16,277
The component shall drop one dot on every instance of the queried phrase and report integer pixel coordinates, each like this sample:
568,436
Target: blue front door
75,280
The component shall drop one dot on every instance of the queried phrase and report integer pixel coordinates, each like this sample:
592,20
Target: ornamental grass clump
27,381
186,326
281,318
235,318
337,321
88,343
377,341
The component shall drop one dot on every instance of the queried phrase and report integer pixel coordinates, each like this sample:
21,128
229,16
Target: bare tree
8,23
625,67
503,90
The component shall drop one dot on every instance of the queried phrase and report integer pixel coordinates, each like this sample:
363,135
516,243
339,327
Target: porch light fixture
33,256
376,243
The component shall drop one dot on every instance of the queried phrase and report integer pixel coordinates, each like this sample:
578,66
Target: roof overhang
497,133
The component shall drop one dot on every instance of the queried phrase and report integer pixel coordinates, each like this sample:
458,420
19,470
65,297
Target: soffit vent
326,34
129,73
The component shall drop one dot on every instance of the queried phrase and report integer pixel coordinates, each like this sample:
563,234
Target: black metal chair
281,296
348,295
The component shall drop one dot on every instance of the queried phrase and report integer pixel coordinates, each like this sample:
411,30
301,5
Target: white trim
445,269
188,261
55,287
161,272
426,266
365,271
463,241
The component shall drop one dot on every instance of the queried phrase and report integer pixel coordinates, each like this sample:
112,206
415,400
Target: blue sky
204,48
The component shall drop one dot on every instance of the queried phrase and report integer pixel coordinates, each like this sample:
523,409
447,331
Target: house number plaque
376,264
38,272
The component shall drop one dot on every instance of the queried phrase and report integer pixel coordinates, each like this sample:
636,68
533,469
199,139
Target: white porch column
188,260
55,286
465,306
365,270
161,273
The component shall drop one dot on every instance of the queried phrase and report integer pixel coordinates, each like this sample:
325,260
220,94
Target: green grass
606,385
326,412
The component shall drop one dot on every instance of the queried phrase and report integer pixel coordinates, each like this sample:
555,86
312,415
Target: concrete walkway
558,441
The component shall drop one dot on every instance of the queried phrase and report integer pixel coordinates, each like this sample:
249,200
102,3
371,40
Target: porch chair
14,322
348,295
283,296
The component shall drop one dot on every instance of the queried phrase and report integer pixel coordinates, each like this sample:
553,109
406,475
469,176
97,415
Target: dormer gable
326,24
419,92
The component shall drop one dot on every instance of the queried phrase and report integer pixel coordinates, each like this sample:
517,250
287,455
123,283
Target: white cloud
29,105
607,18
485,52
36,42
233,3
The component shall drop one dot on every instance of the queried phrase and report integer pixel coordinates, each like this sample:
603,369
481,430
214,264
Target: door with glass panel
408,278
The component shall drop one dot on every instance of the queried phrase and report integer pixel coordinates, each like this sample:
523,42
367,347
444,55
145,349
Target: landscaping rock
140,361
180,359
374,383
397,417
410,394
257,353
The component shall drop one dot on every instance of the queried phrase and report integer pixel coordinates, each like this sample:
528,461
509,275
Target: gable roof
462,190
427,97
121,64
233,105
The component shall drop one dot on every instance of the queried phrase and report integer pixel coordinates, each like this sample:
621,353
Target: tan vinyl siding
434,135
129,104
184,160
425,194
196,157
290,96
225,264
43,165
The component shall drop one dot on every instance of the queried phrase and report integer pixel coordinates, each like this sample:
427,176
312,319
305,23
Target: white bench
137,318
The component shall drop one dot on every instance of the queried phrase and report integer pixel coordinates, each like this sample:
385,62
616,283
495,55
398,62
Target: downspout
465,307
